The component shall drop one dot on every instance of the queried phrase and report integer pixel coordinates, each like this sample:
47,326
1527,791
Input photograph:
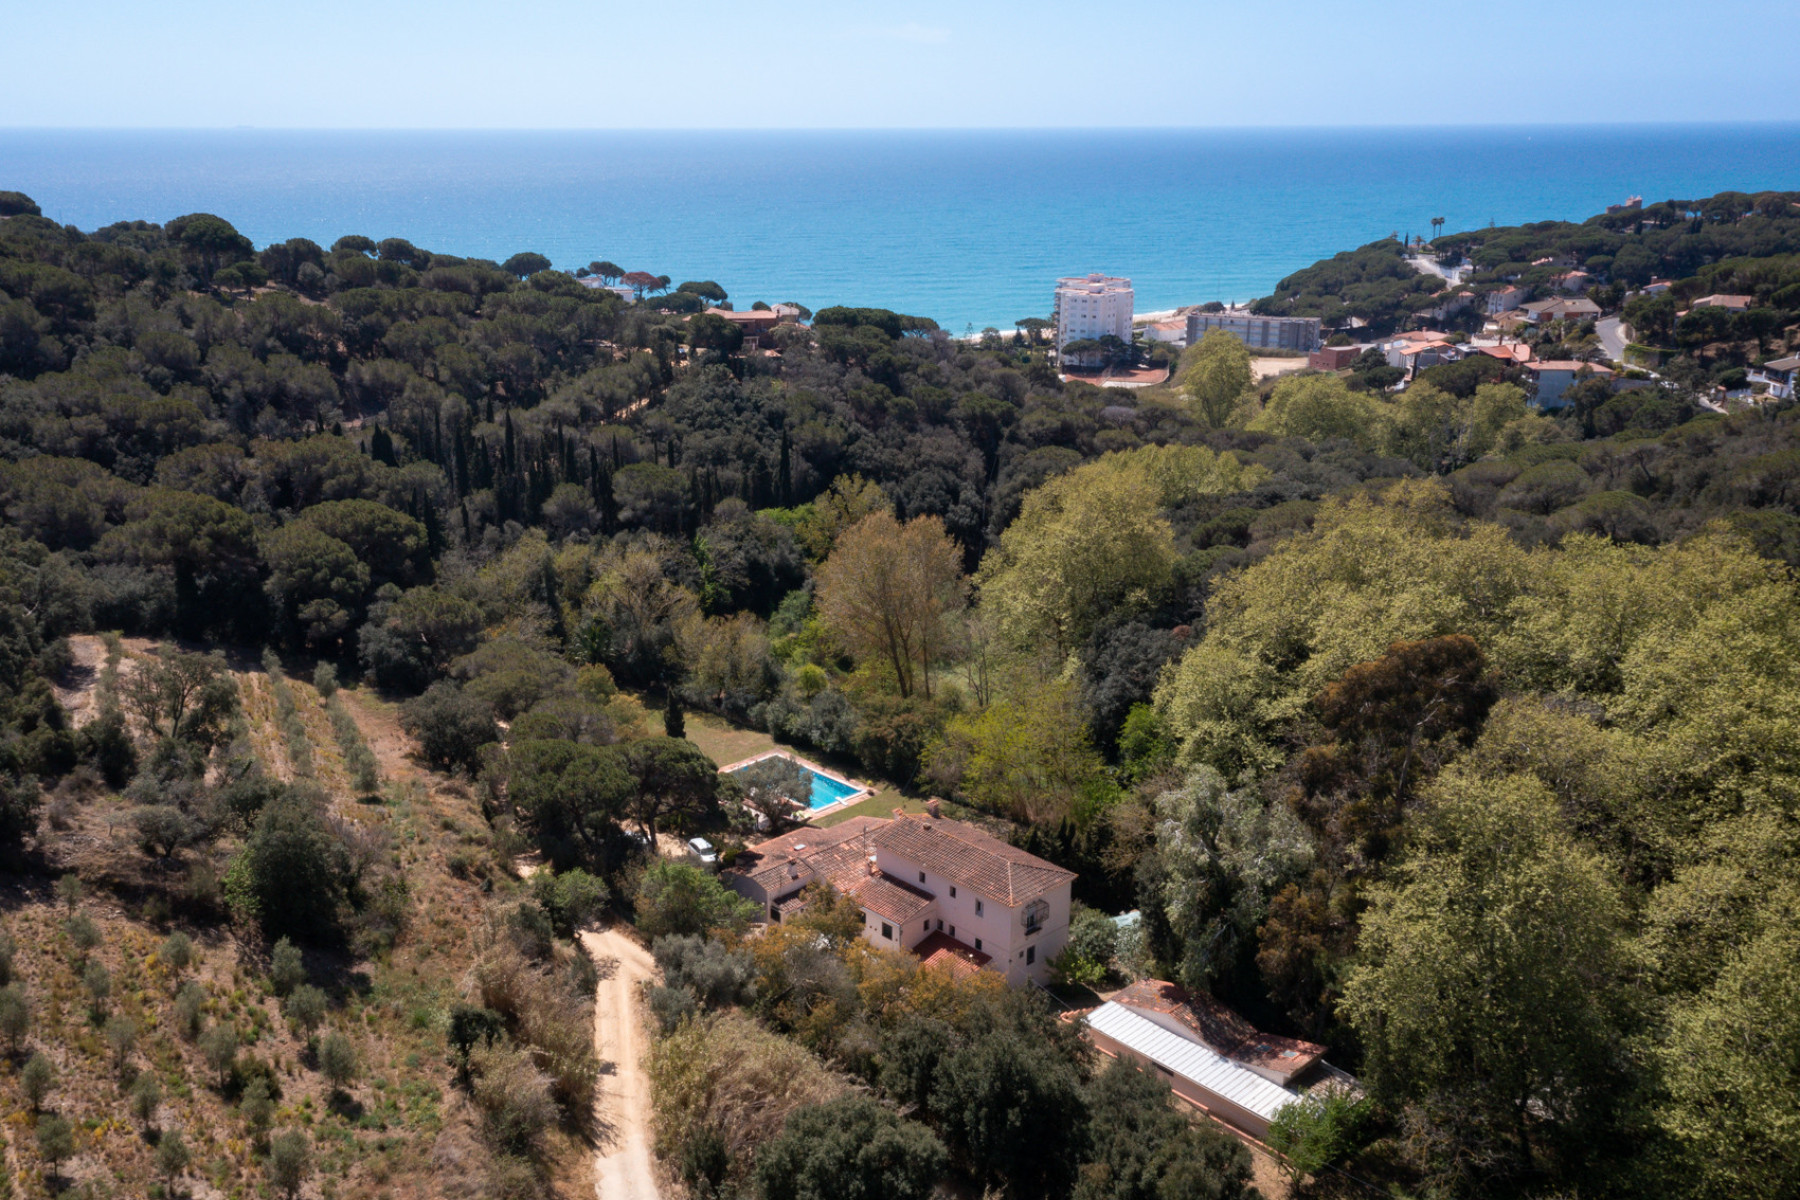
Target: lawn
725,742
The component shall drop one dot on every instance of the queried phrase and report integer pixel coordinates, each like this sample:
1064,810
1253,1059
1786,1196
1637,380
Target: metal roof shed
1231,1092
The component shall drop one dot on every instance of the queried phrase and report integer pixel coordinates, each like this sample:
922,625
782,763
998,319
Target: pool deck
861,791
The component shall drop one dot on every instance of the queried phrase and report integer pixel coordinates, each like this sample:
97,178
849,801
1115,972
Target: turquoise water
826,791
968,227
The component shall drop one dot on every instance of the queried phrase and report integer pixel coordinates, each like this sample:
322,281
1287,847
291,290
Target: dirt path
76,691
622,1102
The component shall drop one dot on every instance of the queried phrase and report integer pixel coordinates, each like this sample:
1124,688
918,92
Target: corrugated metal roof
1221,1076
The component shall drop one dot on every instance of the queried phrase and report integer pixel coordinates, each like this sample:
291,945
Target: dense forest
1451,733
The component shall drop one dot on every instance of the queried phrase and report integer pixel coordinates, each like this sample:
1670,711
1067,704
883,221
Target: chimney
793,868
898,813
931,807
871,864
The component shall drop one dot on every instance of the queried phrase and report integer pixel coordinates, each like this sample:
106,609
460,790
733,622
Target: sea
970,228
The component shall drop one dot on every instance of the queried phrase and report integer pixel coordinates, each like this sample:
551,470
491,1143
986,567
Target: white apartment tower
1092,306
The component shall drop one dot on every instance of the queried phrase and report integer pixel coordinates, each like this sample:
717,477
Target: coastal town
482,730
1510,316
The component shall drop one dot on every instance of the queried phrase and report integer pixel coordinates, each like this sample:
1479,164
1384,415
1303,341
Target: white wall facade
978,921
1092,306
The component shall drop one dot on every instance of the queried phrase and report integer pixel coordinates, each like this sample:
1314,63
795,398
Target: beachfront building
1090,307
623,291
1173,331
1257,332
1209,1055
757,323
946,891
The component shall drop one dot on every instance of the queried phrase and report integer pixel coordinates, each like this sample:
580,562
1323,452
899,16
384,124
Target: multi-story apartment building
1091,307
1257,332
945,890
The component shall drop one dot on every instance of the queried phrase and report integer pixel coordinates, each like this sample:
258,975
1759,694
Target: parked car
703,853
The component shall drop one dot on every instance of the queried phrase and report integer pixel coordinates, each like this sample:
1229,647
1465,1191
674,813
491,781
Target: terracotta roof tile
836,856
890,898
971,857
1221,1029
945,952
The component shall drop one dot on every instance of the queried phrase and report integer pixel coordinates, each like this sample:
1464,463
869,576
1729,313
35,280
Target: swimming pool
828,790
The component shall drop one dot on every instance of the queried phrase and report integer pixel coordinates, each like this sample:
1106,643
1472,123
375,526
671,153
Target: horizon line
741,129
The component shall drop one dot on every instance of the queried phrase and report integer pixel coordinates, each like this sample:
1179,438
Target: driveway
624,1170
1424,264
1611,331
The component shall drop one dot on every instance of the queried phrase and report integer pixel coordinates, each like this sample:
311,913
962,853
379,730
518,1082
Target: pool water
826,791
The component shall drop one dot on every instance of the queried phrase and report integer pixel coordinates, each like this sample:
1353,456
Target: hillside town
1549,322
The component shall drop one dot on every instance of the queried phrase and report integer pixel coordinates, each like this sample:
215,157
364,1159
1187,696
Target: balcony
1034,916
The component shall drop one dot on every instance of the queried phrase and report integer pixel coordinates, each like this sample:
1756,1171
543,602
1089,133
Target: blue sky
806,64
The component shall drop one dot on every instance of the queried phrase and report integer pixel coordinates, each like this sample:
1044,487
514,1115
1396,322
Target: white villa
945,890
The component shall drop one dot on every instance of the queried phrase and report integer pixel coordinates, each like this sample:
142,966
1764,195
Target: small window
978,943
953,931
978,906
940,924
887,931
921,877
953,891
1030,955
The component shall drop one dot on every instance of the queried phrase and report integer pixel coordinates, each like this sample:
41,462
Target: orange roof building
948,891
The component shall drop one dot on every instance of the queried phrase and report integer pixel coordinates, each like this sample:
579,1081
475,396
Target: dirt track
623,1170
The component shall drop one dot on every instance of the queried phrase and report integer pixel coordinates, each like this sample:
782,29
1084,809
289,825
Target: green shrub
290,1161
675,897
1320,1130
15,1015
190,1002
38,1079
848,1148
305,1009
572,898
287,969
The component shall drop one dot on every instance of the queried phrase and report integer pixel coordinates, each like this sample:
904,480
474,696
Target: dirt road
624,1170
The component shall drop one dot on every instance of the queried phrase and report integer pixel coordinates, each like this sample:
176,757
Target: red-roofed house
1507,352
946,890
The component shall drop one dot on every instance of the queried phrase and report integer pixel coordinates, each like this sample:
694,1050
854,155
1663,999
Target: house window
887,931
940,924
1030,955
953,931
953,891
978,906
921,877
978,943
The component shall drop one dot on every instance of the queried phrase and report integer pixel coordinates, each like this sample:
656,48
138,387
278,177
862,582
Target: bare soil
624,1169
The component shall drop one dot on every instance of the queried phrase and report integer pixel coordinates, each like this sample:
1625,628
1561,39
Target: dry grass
398,1134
